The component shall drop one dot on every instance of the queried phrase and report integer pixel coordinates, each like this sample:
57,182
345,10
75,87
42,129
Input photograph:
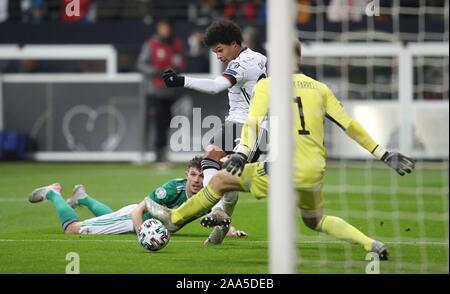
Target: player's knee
311,223
73,228
224,182
312,219
214,153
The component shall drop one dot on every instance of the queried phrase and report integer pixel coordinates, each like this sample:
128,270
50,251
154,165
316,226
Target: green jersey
171,194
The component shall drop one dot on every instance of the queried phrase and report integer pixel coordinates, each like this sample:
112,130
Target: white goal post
282,203
63,52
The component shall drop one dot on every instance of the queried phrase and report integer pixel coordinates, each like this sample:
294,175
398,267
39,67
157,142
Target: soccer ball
153,235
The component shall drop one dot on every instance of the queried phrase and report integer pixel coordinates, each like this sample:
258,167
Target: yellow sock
201,202
338,228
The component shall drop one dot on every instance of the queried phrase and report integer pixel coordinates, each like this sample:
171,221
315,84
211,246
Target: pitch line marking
412,243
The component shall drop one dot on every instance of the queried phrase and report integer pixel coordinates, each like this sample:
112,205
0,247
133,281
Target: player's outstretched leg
162,214
81,198
52,192
340,229
196,205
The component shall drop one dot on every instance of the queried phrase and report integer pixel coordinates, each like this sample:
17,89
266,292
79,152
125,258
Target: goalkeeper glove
400,163
172,79
235,163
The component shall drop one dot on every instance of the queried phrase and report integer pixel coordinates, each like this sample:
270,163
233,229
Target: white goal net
390,70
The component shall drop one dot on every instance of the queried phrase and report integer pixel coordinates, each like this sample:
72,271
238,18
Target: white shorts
117,222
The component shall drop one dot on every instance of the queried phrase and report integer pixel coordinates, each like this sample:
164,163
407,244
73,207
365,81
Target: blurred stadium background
71,89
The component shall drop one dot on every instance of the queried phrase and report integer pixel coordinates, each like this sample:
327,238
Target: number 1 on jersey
303,131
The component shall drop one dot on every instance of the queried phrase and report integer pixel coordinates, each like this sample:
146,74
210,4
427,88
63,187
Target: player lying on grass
244,68
127,219
313,103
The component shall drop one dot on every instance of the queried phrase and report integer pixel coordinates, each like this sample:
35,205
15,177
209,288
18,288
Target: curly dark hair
222,31
196,162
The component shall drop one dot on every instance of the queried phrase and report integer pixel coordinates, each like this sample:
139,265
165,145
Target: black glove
400,163
235,163
172,79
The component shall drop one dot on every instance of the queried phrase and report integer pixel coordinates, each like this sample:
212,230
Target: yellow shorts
254,179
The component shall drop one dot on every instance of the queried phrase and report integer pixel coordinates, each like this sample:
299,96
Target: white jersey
247,69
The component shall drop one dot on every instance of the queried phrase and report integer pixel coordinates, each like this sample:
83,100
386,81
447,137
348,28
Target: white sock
227,202
208,174
210,168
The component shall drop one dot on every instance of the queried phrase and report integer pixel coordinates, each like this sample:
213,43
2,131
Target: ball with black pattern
153,235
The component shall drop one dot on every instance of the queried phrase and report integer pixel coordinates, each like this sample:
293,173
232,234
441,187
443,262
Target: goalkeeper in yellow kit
313,102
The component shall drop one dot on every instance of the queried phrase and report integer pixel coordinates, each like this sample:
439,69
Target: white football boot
79,192
40,194
162,214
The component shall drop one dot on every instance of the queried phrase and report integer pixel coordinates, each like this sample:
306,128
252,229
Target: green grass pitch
409,213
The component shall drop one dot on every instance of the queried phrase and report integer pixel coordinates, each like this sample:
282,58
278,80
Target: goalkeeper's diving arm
395,160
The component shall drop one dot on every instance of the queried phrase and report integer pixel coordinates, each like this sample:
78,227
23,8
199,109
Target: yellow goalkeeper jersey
313,101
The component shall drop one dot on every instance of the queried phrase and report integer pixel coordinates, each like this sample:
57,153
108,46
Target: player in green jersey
127,219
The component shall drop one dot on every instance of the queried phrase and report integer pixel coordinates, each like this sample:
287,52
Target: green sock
95,206
65,213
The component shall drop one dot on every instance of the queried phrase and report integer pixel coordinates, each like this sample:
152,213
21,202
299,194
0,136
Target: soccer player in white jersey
245,67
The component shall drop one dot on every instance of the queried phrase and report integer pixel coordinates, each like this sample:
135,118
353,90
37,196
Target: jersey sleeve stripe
335,121
374,148
246,95
231,72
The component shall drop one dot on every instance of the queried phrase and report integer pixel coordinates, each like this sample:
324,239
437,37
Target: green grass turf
409,213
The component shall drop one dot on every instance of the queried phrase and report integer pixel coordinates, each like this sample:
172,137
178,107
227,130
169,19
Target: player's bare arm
136,215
